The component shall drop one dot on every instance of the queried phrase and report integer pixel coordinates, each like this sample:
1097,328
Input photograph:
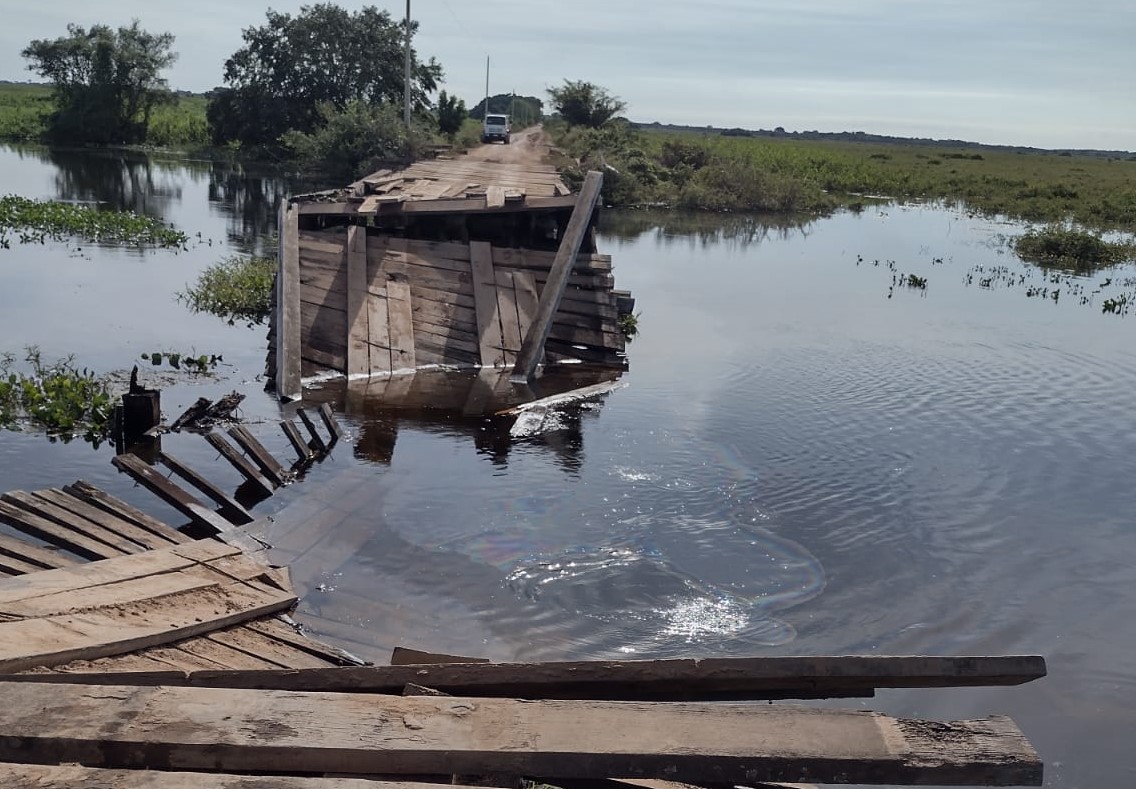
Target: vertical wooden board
485,301
528,299
288,385
358,330
400,316
379,341
507,308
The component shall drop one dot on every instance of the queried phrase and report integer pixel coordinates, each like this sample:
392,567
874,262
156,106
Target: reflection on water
704,230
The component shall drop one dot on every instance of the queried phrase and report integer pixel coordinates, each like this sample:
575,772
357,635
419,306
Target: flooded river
810,456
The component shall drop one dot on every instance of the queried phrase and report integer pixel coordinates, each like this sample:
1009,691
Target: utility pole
406,89
486,87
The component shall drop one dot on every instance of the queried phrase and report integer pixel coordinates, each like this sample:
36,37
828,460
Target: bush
1071,248
63,399
237,289
354,142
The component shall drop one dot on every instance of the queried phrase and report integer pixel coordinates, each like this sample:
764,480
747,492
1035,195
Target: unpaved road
525,147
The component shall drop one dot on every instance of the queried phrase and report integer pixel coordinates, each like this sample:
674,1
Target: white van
496,128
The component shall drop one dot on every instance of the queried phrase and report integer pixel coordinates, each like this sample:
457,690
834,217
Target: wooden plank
330,422
495,197
269,466
24,551
511,336
400,311
724,743
55,640
239,462
171,493
229,506
278,630
405,656
53,533
485,298
527,300
288,348
379,340
10,565
358,328
115,524
119,508
296,440
317,442
533,346
70,776
69,520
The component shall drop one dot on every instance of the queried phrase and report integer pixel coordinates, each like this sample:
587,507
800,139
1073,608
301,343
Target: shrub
353,142
238,288
1071,248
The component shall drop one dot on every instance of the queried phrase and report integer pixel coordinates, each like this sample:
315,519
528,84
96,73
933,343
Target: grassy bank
24,111
719,173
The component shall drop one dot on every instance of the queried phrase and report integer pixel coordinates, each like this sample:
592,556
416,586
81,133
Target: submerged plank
169,492
239,462
244,730
229,506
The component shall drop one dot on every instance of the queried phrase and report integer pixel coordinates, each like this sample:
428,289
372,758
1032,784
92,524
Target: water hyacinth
35,221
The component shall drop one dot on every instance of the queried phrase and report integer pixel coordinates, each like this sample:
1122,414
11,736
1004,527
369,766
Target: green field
721,173
24,109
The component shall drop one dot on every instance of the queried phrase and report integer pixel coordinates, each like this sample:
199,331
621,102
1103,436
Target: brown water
799,464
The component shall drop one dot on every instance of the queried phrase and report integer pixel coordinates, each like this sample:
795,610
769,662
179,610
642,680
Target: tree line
323,81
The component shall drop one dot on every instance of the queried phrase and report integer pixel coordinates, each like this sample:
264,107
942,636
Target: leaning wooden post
288,385
533,346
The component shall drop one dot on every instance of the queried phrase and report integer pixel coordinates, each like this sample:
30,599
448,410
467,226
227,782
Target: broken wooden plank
69,776
269,466
485,301
317,442
330,422
239,462
405,656
358,325
171,493
533,347
296,440
120,509
724,743
495,197
229,506
288,348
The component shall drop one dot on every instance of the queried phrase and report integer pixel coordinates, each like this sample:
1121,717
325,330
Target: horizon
1021,73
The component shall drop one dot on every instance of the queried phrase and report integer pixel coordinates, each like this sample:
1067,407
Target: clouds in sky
1033,72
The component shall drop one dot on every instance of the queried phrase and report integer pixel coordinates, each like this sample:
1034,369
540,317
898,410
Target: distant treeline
522,110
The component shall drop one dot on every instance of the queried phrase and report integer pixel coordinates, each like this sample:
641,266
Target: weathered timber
269,466
120,509
691,680
77,507
297,441
229,506
288,349
53,533
45,558
553,291
405,656
317,442
239,462
310,733
330,422
70,776
358,326
400,314
67,519
169,492
485,298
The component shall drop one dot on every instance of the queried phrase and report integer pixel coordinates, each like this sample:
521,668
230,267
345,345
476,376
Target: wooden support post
317,442
400,314
533,346
288,384
358,325
489,338
167,491
239,462
263,459
229,506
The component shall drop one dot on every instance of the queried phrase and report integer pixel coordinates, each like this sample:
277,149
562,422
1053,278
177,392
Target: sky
1043,73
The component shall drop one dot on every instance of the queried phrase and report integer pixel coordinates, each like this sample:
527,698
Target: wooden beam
330,422
120,509
358,325
533,346
485,302
400,315
239,462
184,502
42,776
113,523
69,520
405,656
51,532
288,350
317,442
45,558
296,440
229,506
228,730
268,465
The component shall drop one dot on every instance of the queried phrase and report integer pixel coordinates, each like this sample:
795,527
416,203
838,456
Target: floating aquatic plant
65,400
239,288
35,221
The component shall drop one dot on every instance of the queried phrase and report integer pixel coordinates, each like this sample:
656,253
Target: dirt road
525,147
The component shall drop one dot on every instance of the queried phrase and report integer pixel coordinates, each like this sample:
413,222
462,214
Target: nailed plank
485,298
171,493
246,730
296,440
553,290
358,329
317,442
69,520
92,495
52,532
70,776
239,462
400,313
229,506
116,524
45,558
55,640
288,347
269,466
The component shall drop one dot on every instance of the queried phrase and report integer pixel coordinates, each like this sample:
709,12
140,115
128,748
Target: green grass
24,111
720,173
239,288
34,221
1070,248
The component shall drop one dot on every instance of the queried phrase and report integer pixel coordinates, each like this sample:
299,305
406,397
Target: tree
107,82
291,65
522,110
451,114
584,104
354,141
